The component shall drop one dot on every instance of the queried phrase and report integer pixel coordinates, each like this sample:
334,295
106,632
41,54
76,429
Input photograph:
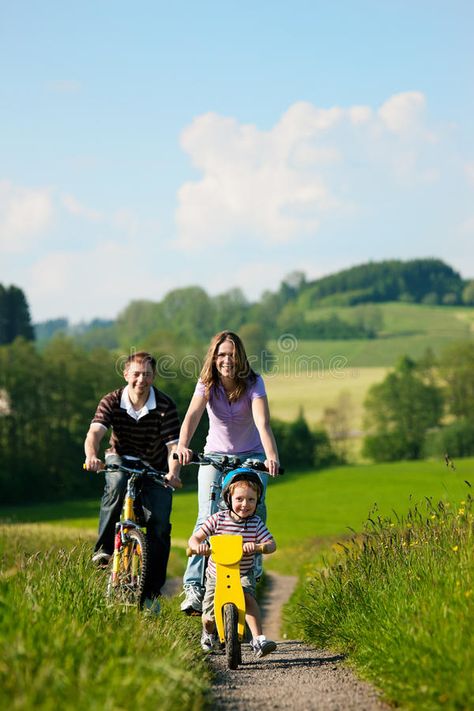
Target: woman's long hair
244,375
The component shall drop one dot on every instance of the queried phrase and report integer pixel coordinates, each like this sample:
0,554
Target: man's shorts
248,585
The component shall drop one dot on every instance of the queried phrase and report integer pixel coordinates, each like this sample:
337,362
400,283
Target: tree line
190,314
48,398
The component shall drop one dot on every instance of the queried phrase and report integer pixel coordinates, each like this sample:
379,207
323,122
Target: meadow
63,646
399,601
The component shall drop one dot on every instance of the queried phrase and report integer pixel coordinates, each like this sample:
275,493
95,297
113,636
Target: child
241,491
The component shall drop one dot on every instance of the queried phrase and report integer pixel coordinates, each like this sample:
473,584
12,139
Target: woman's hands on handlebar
272,466
184,454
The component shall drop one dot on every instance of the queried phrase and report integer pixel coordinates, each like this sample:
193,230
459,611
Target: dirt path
296,676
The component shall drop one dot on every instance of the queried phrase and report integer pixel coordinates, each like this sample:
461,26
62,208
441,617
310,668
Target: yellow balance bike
229,600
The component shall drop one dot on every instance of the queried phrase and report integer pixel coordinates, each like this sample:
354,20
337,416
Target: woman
239,425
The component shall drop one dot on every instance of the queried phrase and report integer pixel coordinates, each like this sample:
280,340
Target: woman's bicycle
229,600
224,463
129,577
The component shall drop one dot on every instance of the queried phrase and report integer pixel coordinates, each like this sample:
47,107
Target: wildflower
433,516
455,548
461,512
468,593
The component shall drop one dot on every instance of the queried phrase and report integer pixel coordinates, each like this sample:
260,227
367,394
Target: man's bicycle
129,577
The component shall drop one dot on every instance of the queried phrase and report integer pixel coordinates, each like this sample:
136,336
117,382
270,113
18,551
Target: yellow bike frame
226,554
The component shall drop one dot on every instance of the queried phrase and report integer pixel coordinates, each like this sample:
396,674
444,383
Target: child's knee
208,624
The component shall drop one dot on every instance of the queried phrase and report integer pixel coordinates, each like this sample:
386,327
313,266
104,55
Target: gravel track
296,676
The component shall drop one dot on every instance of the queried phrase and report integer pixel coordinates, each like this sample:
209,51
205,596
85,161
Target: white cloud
279,185
25,213
73,206
403,112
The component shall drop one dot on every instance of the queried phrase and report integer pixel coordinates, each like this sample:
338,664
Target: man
145,425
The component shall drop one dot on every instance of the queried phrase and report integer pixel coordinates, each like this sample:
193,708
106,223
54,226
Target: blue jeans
154,510
209,484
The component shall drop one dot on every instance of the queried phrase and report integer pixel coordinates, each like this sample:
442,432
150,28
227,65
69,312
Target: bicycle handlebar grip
191,551
194,459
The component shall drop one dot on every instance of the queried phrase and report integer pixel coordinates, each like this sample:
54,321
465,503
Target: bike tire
129,586
232,644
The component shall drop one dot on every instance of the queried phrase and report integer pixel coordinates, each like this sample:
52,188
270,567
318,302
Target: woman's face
225,359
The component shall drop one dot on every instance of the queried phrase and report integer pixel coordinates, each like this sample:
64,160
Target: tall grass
399,601
63,647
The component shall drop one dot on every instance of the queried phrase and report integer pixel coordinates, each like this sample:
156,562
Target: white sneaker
262,647
192,603
208,641
101,559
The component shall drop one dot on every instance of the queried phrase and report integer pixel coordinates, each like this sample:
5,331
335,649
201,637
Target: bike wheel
127,586
232,644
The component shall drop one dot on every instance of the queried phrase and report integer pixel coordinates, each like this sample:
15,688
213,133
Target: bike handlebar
225,462
259,548
143,470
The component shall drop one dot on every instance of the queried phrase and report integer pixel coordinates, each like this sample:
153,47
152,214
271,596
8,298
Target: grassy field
408,329
302,507
314,393
62,646
399,601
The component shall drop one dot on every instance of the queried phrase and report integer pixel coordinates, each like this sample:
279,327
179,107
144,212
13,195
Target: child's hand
202,549
248,548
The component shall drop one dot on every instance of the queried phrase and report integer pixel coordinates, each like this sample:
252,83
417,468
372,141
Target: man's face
139,376
244,500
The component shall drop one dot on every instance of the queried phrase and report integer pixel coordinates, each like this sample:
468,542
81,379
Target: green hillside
408,329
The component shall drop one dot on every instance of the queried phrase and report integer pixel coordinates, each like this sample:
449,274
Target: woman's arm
188,428
261,417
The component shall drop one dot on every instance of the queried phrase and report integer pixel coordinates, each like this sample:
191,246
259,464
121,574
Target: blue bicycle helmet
241,474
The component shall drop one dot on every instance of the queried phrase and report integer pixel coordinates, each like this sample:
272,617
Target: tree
254,339
230,310
15,318
399,412
457,372
468,293
337,423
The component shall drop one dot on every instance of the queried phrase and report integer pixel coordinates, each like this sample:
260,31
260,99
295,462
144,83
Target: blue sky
151,146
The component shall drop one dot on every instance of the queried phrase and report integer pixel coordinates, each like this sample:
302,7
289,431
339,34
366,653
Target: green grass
399,601
63,647
315,393
302,506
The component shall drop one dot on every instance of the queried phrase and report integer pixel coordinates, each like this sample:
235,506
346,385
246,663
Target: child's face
244,500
